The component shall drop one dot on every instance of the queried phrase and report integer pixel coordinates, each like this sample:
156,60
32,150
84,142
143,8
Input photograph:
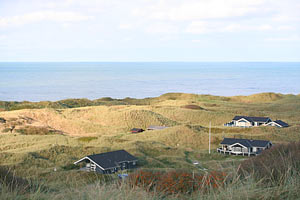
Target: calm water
55,81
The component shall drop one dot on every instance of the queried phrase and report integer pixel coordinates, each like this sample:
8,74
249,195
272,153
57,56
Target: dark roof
281,123
112,159
252,119
259,143
137,130
2,120
246,142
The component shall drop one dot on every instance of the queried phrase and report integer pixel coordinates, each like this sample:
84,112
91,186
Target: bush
176,182
86,139
34,130
12,182
106,99
6,130
193,107
70,167
275,164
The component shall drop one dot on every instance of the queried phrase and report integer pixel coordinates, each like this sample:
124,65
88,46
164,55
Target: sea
43,81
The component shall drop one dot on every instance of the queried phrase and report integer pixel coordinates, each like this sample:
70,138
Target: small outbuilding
136,130
156,127
2,120
109,162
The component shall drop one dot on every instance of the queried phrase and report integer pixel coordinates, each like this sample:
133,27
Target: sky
149,30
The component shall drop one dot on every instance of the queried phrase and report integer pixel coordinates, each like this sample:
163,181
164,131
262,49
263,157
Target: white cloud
39,16
232,28
168,38
244,27
127,39
199,9
265,27
161,28
201,27
99,41
197,41
285,28
3,37
125,26
285,18
288,38
57,4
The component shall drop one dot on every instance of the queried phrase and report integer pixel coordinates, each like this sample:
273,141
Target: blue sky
149,30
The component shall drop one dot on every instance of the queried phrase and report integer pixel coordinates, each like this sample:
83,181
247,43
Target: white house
245,147
245,121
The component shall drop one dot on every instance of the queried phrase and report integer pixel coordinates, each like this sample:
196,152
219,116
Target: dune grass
86,139
52,135
169,184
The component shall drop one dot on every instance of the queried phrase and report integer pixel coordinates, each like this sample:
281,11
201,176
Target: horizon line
90,61
156,96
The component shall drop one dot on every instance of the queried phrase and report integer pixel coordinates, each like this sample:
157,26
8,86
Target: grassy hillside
36,137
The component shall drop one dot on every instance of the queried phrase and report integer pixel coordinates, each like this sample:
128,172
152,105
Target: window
258,149
133,162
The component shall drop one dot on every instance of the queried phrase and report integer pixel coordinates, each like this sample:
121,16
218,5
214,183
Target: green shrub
106,99
6,130
174,182
12,182
193,107
274,165
70,167
34,130
86,139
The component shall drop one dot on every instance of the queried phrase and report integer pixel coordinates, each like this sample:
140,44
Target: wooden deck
220,150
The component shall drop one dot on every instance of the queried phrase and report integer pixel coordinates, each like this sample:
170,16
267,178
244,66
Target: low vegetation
76,103
276,165
193,107
148,184
86,139
40,141
33,130
175,182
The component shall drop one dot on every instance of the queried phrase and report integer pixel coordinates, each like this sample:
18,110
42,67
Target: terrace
243,147
241,153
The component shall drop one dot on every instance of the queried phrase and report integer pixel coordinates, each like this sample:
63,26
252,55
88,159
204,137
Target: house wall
242,123
122,166
99,170
273,124
256,149
269,120
264,123
239,149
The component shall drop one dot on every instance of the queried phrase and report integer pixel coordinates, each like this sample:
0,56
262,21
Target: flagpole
209,137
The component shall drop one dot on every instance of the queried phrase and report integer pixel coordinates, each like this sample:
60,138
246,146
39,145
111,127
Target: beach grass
36,138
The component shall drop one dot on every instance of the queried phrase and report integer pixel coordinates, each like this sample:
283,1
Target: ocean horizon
52,81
